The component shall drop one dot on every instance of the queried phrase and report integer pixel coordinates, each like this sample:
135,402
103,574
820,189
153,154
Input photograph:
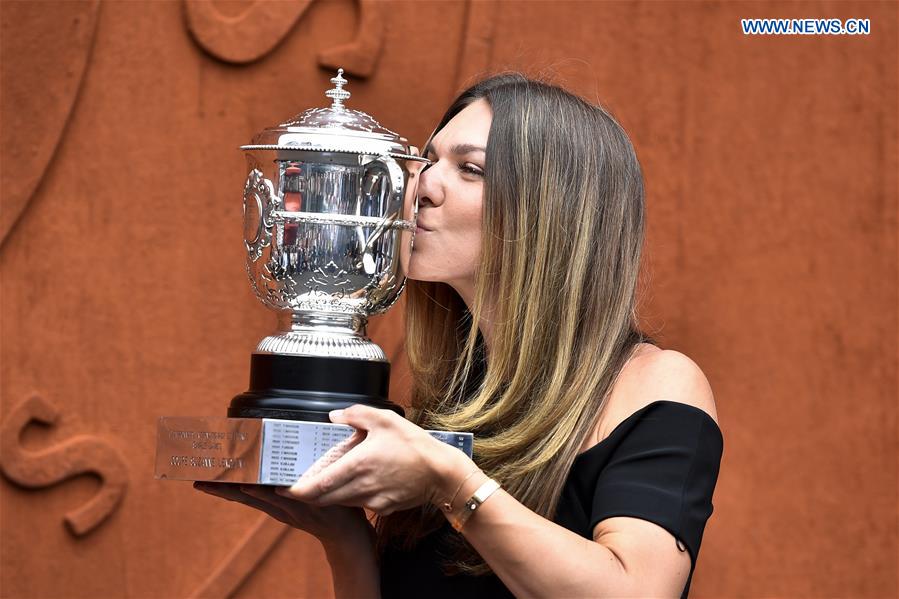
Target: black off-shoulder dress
660,464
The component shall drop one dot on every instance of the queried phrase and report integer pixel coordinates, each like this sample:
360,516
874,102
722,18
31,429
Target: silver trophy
329,212
329,215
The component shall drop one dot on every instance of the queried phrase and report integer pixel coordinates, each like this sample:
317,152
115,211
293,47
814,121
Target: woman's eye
472,169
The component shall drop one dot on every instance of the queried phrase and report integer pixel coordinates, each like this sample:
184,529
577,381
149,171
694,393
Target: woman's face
451,195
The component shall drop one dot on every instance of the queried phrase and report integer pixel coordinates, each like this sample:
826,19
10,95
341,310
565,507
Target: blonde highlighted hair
563,225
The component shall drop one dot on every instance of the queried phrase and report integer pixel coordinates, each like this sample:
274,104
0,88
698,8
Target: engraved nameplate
265,451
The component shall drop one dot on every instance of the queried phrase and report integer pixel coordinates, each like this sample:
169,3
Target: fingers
360,416
335,453
352,492
335,477
277,497
332,475
270,496
239,494
327,472
342,484
227,491
259,502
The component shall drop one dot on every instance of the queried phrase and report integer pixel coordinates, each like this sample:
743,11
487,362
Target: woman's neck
466,291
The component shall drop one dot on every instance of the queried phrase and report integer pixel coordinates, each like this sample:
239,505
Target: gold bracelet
448,505
474,502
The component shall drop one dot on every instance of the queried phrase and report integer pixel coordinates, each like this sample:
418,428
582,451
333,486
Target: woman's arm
399,466
344,532
535,557
354,567
627,556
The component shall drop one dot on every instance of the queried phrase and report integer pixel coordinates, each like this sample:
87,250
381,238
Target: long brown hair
562,234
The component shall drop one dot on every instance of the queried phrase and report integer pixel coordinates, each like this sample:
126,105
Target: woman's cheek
421,262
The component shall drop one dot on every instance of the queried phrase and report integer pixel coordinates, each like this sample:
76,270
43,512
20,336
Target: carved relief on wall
39,93
257,30
243,559
80,454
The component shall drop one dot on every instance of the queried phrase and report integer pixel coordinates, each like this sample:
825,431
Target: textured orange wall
771,167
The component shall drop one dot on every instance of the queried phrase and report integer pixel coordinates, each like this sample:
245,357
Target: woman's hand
396,467
330,524
345,533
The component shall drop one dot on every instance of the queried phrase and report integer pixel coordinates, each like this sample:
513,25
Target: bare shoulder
654,374
668,374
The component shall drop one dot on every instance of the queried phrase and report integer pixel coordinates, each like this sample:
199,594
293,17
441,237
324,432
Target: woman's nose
430,188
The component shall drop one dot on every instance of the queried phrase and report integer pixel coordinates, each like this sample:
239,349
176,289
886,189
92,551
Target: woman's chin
417,269
414,275
423,275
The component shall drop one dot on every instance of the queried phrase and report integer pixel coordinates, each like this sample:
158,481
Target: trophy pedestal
291,387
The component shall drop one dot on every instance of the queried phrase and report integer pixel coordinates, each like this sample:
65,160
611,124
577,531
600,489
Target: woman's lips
422,229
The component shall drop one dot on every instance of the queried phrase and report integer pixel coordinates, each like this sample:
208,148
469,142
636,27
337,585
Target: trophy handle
259,203
395,180
394,209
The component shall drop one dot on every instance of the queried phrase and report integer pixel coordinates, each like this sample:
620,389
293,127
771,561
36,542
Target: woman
605,448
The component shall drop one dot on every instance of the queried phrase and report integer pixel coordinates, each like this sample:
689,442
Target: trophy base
257,451
308,387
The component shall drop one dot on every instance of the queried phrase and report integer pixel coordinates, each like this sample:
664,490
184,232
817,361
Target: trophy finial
338,94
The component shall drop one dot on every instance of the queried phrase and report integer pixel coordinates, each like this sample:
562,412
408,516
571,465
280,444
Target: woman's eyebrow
458,149
467,148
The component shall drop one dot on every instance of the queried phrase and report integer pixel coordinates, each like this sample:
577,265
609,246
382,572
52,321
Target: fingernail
335,414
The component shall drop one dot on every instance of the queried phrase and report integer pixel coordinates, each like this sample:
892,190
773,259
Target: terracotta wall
771,168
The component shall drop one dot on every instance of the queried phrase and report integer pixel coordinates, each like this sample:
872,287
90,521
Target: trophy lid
332,129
